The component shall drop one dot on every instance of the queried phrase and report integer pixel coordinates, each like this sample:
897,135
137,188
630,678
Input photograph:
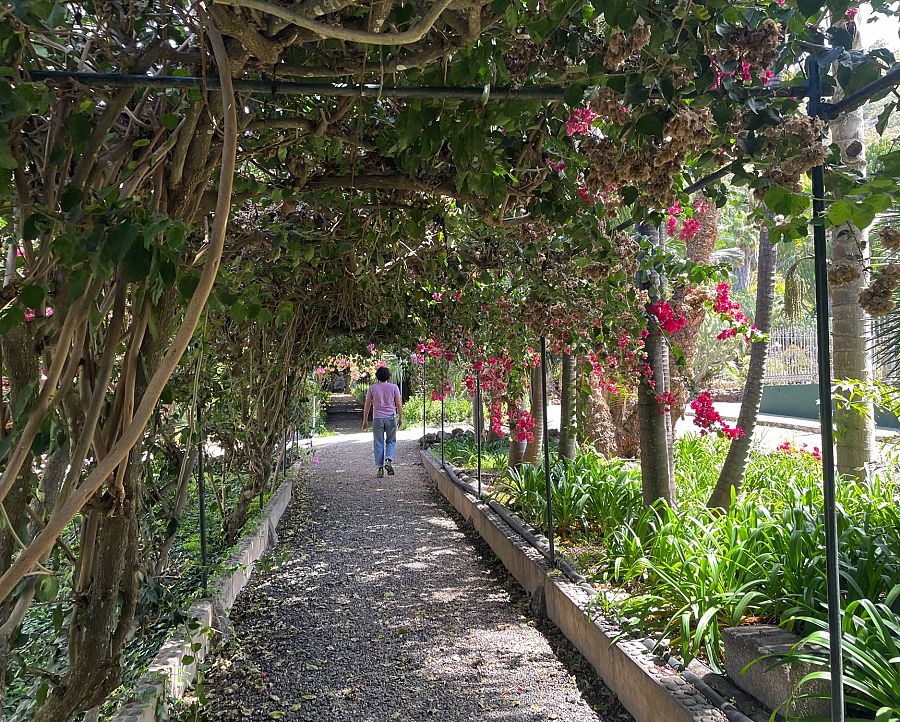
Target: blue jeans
384,433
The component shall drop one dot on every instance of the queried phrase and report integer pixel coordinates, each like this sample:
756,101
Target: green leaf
47,588
136,263
884,117
31,295
70,199
809,8
170,121
778,200
840,212
863,215
574,95
79,125
10,316
187,285
650,124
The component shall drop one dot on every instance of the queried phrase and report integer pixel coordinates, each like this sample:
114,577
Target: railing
793,357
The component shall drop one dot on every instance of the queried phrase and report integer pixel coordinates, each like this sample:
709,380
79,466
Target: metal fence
792,357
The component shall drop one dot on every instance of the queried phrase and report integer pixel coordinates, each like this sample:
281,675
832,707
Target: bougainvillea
791,449
670,320
708,420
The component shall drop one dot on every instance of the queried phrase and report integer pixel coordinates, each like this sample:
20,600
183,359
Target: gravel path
379,607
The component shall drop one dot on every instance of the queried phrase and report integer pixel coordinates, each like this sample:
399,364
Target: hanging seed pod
843,272
890,238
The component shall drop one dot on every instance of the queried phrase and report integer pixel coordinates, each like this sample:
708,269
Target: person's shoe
389,467
380,473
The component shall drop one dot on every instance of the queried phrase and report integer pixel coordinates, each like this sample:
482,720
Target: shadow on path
378,606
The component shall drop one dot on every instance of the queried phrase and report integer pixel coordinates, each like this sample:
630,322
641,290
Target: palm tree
735,466
855,446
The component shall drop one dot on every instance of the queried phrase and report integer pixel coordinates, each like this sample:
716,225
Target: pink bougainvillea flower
580,122
436,296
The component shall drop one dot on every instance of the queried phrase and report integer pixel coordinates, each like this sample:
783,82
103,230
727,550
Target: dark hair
383,373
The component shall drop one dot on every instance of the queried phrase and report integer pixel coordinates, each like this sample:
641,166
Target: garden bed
684,577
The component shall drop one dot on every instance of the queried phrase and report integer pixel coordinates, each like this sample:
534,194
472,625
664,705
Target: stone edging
650,689
174,668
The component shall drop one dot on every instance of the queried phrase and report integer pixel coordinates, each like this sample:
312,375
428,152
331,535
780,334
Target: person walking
384,402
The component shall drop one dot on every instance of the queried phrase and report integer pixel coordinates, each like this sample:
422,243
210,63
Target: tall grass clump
682,575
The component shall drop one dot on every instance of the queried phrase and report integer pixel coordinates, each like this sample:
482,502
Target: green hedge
455,410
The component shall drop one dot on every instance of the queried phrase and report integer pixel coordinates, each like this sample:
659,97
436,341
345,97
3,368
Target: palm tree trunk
732,473
656,477
656,442
534,449
567,409
855,446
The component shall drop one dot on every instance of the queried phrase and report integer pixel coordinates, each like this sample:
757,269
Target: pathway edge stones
174,669
649,690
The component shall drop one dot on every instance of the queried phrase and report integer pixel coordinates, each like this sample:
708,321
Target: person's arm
398,404
367,407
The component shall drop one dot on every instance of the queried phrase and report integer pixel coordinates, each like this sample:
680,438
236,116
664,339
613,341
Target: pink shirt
382,396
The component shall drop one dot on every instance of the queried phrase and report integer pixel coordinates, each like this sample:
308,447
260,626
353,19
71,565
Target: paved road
384,609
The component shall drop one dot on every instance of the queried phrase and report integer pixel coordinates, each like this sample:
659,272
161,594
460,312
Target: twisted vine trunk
732,473
567,429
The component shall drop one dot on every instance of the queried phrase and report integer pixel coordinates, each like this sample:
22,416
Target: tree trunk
534,449
855,445
732,473
654,423
656,477
567,409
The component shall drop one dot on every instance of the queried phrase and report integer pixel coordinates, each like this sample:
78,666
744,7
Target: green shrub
456,410
691,571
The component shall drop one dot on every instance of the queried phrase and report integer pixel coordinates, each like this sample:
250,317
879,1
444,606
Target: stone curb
174,668
648,688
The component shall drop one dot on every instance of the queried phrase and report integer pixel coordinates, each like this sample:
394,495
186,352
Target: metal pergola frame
811,89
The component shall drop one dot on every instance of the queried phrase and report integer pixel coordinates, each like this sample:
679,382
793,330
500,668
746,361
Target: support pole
201,490
479,424
547,484
312,432
832,570
442,428
424,403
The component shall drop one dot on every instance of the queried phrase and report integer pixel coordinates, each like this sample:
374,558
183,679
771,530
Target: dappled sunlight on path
383,609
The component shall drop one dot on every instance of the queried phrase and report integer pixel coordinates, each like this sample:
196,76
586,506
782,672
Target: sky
884,29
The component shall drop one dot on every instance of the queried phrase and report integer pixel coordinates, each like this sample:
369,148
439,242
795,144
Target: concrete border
174,669
650,689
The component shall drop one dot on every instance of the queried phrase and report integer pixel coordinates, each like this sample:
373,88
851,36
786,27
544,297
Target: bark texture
567,409
855,445
732,473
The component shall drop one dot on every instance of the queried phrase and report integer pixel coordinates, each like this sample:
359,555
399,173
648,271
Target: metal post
832,570
312,432
549,489
424,403
479,424
442,428
201,490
